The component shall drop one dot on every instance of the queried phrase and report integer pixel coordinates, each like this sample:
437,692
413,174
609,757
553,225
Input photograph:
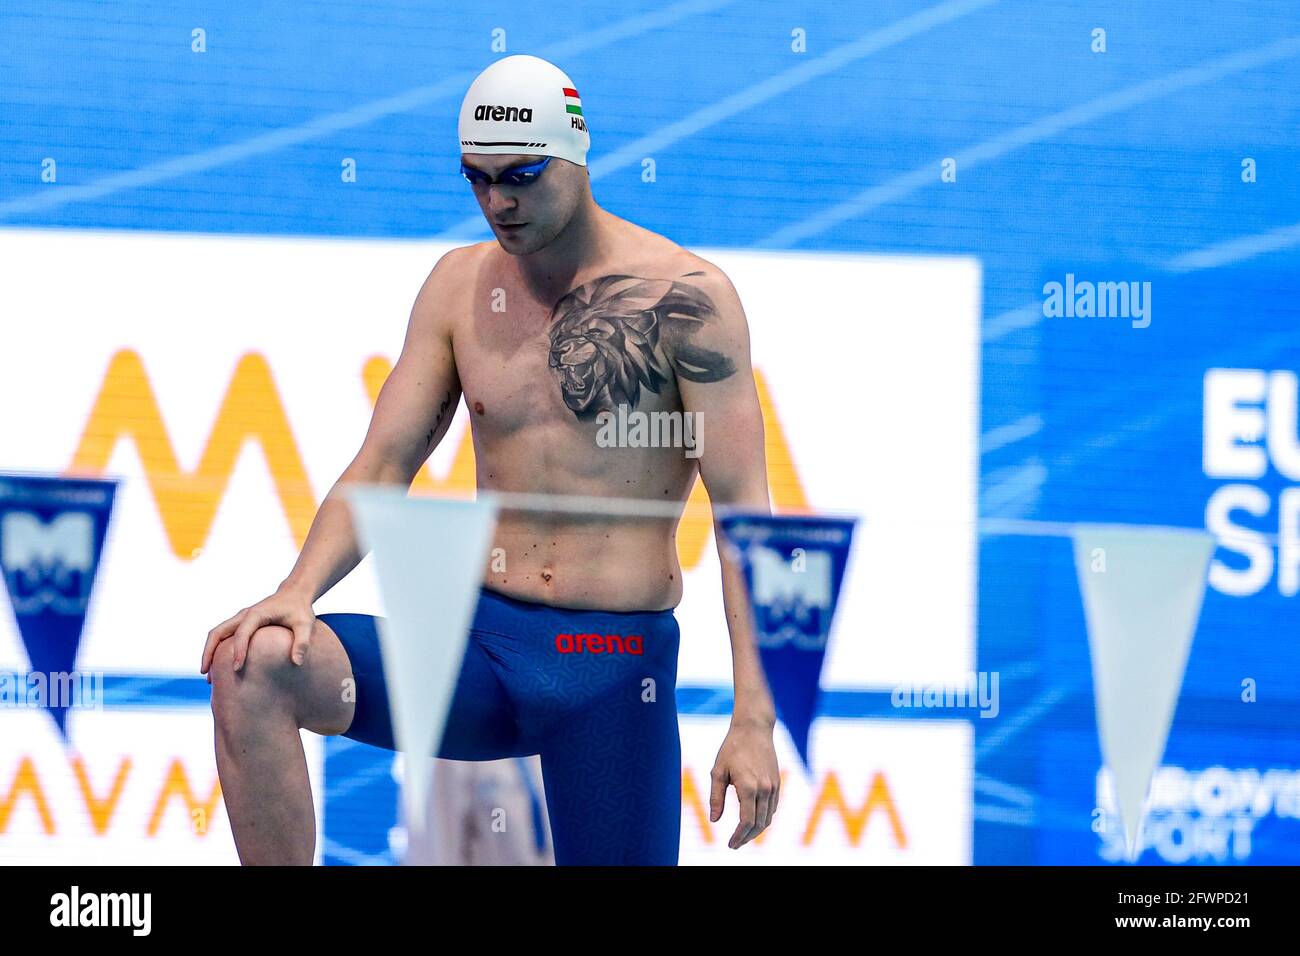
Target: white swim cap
523,104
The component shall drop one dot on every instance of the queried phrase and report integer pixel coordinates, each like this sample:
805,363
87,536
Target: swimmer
569,316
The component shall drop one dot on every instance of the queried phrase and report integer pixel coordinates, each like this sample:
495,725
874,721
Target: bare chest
525,363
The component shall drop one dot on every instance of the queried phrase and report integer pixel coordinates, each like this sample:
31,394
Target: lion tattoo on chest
619,334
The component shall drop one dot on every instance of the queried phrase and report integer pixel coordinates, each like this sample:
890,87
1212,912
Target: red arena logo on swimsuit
598,644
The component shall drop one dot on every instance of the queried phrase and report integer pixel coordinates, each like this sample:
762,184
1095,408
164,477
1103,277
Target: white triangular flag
1142,592
430,556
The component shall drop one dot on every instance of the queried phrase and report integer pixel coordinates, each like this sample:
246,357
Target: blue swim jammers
592,692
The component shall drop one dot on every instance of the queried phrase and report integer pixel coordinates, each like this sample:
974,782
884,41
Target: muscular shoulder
457,267
696,316
697,275
713,282
435,311
715,301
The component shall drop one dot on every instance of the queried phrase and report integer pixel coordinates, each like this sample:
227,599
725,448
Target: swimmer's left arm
710,354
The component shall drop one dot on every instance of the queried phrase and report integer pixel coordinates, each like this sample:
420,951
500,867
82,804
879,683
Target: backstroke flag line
429,559
793,568
1142,592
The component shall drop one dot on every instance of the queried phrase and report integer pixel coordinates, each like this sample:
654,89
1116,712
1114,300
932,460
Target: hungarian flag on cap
571,102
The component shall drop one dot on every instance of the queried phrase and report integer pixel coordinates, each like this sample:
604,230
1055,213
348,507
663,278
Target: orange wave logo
126,407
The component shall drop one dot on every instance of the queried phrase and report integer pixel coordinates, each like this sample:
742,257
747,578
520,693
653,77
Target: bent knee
269,649
267,653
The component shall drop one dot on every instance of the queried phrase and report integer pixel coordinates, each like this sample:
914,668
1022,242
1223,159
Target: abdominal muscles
583,559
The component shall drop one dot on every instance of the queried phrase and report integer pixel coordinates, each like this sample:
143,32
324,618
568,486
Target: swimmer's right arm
412,413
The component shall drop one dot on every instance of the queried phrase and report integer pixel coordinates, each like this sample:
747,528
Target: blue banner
52,534
1185,416
793,569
